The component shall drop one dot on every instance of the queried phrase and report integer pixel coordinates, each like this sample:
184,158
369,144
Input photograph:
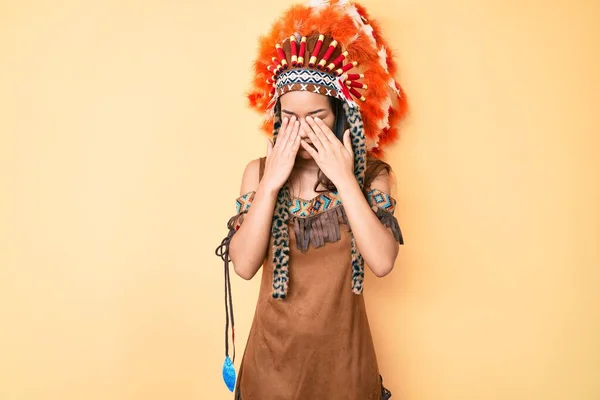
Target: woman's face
303,104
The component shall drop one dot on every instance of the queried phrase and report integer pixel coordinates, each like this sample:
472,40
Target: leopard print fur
359,147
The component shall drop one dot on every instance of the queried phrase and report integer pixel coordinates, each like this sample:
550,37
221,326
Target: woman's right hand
282,155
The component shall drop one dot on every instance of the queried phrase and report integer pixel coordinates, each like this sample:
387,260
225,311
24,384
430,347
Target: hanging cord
223,252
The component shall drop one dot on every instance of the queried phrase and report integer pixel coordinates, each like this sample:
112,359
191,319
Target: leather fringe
389,221
325,227
319,229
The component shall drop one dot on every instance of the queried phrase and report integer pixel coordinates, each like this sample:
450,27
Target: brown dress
316,343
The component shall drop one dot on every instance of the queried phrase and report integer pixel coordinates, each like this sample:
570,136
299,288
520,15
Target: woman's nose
302,132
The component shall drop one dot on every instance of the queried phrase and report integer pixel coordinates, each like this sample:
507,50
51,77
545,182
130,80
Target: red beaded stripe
281,54
277,65
355,77
336,62
302,53
356,94
328,54
356,84
294,47
316,51
346,68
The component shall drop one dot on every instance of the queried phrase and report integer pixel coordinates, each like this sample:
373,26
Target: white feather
385,107
392,84
383,58
271,105
297,28
368,29
353,12
318,3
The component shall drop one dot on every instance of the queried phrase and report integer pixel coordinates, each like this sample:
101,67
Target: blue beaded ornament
229,374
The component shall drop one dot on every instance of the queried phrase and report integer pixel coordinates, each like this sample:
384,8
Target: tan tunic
316,343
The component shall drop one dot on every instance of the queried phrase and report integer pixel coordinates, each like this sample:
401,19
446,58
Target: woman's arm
248,247
375,242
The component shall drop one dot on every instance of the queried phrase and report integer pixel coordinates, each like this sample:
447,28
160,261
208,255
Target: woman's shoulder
252,167
377,174
252,175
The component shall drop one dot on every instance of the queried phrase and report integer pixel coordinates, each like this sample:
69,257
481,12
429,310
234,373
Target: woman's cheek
329,122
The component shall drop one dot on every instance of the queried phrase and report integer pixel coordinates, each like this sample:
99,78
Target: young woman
315,210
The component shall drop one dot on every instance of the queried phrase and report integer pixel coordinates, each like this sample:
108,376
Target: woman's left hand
335,159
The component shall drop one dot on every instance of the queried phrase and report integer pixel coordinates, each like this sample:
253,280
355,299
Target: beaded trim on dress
318,221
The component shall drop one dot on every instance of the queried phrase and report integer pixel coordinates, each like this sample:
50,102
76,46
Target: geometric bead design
382,200
323,202
309,208
306,76
244,202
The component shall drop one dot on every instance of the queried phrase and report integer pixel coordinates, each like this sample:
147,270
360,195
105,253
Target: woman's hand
282,155
335,159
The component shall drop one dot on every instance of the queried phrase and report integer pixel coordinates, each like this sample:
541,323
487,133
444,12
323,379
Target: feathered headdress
352,51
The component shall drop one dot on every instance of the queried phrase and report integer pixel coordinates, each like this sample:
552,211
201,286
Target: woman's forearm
248,247
374,241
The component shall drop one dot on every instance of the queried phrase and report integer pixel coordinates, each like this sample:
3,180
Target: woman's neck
303,178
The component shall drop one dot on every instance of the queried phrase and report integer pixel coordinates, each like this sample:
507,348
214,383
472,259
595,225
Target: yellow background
124,134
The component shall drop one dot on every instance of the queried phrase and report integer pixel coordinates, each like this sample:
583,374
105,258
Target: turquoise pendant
229,374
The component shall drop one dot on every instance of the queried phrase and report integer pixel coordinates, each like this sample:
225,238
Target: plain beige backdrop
124,134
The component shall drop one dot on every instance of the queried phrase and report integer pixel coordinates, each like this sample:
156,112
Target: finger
290,130
347,141
314,154
269,147
295,146
297,141
289,133
282,133
326,131
294,128
318,132
313,137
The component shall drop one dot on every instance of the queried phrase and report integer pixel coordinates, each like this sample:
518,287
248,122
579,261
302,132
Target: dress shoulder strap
261,170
